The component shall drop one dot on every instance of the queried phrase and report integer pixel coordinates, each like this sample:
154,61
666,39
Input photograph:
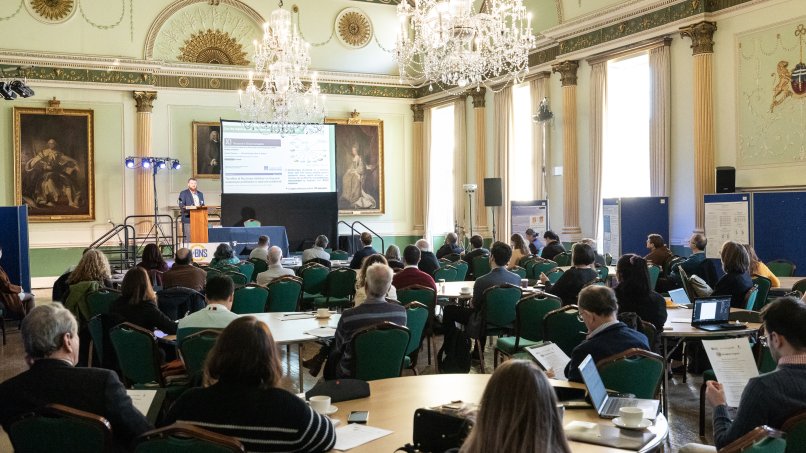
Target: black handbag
340,390
441,428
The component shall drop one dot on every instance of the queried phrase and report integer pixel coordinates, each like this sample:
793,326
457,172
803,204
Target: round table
393,401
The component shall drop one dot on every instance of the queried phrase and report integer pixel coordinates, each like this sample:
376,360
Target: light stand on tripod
155,164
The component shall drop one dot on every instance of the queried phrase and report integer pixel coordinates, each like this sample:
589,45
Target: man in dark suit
606,334
366,240
477,242
428,261
553,245
411,275
190,197
50,336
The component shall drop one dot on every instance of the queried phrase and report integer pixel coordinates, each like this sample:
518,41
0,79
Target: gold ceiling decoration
53,11
353,28
213,47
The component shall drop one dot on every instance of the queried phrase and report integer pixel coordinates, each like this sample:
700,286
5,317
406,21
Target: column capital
702,36
419,113
478,97
144,100
543,74
568,72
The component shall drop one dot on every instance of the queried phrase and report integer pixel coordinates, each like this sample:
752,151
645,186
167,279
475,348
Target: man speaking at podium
190,197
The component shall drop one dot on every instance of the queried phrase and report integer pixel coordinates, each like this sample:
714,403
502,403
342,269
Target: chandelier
276,100
445,42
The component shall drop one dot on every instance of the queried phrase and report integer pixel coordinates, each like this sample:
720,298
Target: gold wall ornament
51,11
354,28
702,36
213,47
568,72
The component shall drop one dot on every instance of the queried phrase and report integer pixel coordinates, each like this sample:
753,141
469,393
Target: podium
198,222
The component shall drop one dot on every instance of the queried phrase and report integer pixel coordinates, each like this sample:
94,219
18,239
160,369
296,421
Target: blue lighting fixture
160,163
146,163
129,162
175,165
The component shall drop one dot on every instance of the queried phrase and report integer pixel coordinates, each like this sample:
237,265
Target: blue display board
628,221
14,240
779,227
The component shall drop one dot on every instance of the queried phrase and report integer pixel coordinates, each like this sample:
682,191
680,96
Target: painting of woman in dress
359,165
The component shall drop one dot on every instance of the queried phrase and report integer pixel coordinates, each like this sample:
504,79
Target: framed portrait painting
53,164
206,150
359,166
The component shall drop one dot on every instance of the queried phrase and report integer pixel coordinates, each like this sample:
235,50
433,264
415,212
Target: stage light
7,92
160,164
146,163
175,165
21,88
129,162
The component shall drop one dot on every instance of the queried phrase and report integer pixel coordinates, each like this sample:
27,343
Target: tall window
521,154
625,146
441,196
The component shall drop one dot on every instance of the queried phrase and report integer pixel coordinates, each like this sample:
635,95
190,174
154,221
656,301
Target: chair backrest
341,283
529,314
563,328
619,372
461,270
194,349
654,273
481,265
138,354
60,428
603,271
447,273
648,329
259,266
750,298
418,293
100,301
213,272
238,278
762,439
521,272
444,262
339,255
608,259
98,328
314,278
782,268
177,301
554,274
250,299
764,284
795,429
284,294
498,305
563,259
539,267
452,257
416,319
522,262
247,268
156,277
321,261
378,351
686,285
185,438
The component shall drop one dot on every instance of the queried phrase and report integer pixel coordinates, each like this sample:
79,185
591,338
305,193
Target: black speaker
725,180
492,192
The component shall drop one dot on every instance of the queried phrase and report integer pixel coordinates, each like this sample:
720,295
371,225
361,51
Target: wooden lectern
198,223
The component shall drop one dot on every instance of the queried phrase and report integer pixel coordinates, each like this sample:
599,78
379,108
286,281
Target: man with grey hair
428,261
275,269
317,251
451,246
50,338
374,310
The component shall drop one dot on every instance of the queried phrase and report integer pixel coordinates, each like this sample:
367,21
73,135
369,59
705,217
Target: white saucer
331,410
645,423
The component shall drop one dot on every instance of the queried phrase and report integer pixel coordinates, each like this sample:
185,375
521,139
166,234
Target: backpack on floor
454,355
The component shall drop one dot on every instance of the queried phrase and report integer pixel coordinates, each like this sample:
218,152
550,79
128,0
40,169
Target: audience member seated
634,294
537,427
374,310
183,273
248,214
450,246
477,249
659,253
224,255
581,273
771,398
137,303
393,257
758,268
152,259
12,297
317,251
533,239
91,274
519,250
736,281
275,269
599,261
428,261
50,337
367,250
217,314
693,265
242,396
261,250
360,293
606,335
411,274
553,245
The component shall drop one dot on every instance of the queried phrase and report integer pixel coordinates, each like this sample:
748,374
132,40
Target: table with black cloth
241,238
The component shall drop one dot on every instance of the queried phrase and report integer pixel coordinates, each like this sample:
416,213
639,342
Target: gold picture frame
54,172
359,175
206,150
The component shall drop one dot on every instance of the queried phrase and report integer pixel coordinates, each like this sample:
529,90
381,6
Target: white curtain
425,164
504,131
459,166
598,107
538,89
660,125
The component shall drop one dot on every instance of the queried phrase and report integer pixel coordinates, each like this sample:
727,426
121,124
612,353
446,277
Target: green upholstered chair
497,313
427,297
340,255
447,273
750,298
563,328
608,259
461,270
247,268
284,294
250,299
102,353
554,274
522,262
795,429
563,259
100,301
259,266
603,272
781,268
339,289
481,265
529,313
314,279
139,359
58,428
521,272
213,272
444,262
379,351
238,278
452,257
194,349
186,438
764,284
417,317
654,273
533,271
619,372
762,439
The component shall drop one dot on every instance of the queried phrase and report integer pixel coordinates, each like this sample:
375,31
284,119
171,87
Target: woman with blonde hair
93,266
137,303
519,250
757,267
536,428
360,292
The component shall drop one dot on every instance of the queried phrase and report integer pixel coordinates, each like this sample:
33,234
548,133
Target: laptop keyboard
614,404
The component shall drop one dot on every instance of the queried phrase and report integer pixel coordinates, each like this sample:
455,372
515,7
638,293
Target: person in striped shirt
242,397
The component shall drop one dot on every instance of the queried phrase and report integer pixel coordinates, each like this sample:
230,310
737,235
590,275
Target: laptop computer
712,314
680,297
608,406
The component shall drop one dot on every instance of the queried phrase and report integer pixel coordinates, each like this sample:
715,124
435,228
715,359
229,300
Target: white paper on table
142,399
550,356
323,332
354,434
733,364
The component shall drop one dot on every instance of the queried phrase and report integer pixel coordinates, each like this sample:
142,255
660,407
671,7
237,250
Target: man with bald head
275,270
183,273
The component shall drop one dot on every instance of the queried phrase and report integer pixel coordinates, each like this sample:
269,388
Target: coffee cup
320,403
631,416
323,313
465,290
524,283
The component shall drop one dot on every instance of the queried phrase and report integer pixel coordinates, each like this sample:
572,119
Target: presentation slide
255,162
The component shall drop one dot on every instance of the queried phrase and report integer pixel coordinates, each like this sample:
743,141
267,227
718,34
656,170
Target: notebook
712,314
608,406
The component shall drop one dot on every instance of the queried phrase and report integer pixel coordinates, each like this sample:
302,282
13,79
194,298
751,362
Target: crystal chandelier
276,100
445,42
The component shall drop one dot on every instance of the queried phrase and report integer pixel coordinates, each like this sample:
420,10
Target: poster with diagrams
727,218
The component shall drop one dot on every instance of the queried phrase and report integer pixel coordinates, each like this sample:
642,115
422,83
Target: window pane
440,213
521,157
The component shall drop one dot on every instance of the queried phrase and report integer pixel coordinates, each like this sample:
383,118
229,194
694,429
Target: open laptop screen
679,296
596,388
711,310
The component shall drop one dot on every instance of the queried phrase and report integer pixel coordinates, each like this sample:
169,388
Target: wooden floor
683,398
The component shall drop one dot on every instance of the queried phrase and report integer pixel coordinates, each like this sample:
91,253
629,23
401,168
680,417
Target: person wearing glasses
771,398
